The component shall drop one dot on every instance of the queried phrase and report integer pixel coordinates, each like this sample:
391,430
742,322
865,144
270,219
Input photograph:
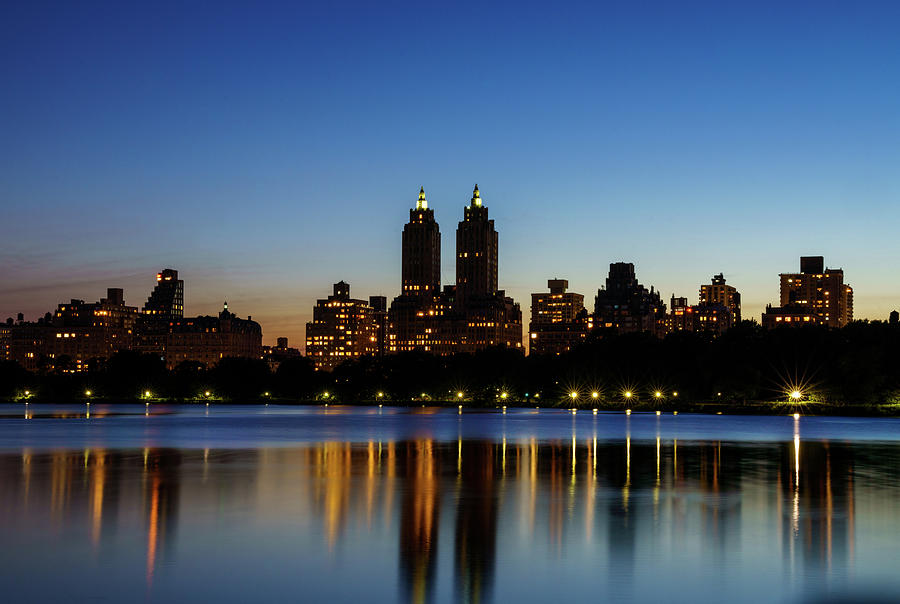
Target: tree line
856,365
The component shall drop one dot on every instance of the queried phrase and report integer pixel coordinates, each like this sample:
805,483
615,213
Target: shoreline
759,408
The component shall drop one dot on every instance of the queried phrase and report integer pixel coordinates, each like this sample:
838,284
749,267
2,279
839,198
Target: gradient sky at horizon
267,151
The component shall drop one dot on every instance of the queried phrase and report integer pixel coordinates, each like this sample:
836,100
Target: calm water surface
340,504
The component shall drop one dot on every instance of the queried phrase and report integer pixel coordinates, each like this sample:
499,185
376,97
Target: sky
269,150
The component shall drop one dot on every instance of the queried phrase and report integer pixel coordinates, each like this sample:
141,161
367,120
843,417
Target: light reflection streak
675,461
152,530
99,479
574,446
389,483
626,488
372,466
590,489
26,474
795,513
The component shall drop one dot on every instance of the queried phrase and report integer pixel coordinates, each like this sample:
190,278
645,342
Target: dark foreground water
338,504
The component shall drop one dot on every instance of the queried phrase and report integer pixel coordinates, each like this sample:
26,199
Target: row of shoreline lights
626,394
574,395
147,394
794,395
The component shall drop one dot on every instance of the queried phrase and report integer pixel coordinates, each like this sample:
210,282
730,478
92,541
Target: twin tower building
468,316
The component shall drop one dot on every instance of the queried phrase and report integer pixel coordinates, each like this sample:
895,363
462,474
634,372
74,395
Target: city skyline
421,254
267,155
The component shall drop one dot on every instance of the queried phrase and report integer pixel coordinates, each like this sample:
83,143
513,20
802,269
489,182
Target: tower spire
422,203
476,197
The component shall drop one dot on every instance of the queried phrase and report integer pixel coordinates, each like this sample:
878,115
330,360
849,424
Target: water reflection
483,515
419,519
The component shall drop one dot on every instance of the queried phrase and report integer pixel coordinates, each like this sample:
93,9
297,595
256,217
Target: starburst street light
573,395
595,395
504,395
796,395
628,394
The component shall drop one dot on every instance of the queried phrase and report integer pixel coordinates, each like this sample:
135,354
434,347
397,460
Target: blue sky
269,150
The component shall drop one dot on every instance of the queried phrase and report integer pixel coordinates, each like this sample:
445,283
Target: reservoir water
353,504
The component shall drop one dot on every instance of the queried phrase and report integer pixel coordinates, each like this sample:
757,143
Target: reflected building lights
99,480
555,492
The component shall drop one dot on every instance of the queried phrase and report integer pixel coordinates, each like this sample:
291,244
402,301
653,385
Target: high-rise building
814,291
421,254
627,306
166,301
483,315
412,319
164,306
476,252
342,328
722,294
559,321
467,317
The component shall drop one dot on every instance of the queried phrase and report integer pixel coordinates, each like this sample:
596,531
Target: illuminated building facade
713,319
627,306
166,301
6,330
719,293
719,310
467,317
342,328
792,315
164,306
208,340
76,335
559,321
490,320
23,341
814,291
85,332
681,315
